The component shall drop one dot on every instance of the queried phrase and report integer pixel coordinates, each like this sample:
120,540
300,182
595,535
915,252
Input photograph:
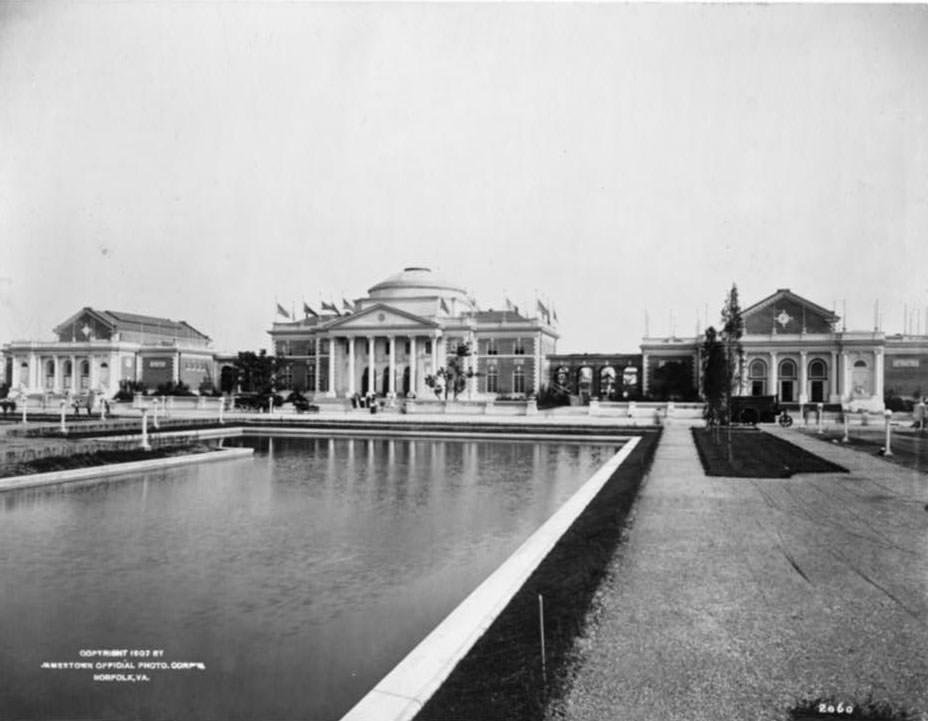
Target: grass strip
755,454
501,677
98,458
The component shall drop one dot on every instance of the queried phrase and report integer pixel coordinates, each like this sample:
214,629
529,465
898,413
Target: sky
624,163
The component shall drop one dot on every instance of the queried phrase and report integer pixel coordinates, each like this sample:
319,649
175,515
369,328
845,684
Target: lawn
755,454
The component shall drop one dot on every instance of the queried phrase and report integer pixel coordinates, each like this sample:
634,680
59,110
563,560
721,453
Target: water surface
298,577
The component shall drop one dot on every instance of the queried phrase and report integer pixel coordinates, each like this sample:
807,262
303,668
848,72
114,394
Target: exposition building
97,349
795,350
405,328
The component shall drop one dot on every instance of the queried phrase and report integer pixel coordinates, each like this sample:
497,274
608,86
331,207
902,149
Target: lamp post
888,451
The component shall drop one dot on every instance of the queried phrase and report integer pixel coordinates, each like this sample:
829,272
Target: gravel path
739,598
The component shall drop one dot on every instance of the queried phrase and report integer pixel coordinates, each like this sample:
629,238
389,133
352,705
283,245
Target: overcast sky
202,161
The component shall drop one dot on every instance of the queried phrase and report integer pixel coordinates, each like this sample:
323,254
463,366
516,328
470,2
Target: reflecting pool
298,577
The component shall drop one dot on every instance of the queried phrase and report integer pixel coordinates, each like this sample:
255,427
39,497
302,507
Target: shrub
128,389
174,389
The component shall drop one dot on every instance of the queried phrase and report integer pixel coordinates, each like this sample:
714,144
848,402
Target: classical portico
406,328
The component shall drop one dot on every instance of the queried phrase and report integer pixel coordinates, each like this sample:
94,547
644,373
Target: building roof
123,321
787,293
499,316
417,279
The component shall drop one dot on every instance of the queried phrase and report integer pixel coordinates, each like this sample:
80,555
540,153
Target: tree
732,330
714,373
672,381
452,378
256,371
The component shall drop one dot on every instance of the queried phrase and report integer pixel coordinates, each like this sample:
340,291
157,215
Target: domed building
405,328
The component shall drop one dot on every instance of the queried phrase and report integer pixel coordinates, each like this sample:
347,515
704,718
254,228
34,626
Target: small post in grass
155,415
844,412
888,451
222,405
25,403
64,410
146,446
541,626
821,417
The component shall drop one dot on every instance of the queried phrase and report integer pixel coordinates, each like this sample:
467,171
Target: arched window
518,380
607,383
85,375
49,374
629,381
818,377
860,364
562,376
787,369
757,374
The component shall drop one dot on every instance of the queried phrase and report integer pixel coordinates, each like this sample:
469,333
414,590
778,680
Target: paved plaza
739,598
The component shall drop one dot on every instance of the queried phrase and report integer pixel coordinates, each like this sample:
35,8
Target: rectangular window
285,378
518,380
311,376
492,348
428,347
519,347
407,347
492,380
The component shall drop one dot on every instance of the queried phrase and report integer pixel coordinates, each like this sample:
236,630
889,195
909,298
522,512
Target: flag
541,307
509,305
330,306
282,311
309,311
347,305
554,313
444,306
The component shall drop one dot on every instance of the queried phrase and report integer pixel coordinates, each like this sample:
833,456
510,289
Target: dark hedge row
501,678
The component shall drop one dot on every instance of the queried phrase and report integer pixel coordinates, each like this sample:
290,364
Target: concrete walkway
739,598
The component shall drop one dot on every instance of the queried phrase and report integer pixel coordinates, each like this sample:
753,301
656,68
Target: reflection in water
299,577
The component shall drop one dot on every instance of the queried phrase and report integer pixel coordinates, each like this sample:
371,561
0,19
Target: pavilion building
407,327
97,349
795,350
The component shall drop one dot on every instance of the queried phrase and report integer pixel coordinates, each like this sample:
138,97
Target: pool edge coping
405,689
88,473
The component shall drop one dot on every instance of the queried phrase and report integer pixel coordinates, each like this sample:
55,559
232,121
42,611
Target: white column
845,387
371,366
176,373
392,381
803,377
537,355
834,377
93,372
412,365
644,373
74,373
773,376
878,374
318,367
58,381
33,372
331,389
434,354
351,370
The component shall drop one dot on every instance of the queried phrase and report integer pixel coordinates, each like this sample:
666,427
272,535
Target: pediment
785,312
381,317
84,325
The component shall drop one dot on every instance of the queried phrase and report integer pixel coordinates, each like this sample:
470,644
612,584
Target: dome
413,281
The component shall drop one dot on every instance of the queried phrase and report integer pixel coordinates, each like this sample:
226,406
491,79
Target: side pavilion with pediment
793,349
402,331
